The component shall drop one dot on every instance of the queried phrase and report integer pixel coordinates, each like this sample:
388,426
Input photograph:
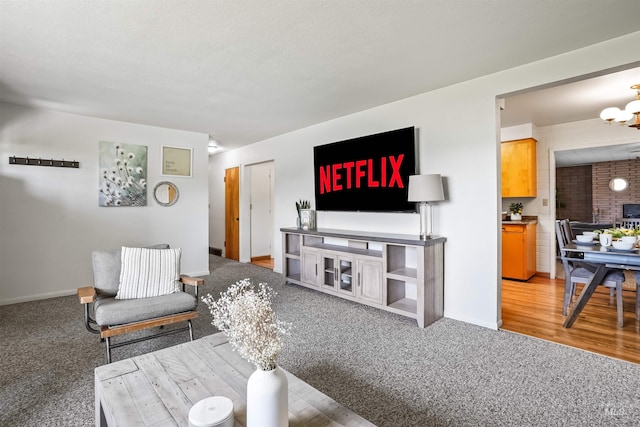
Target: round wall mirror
166,193
618,184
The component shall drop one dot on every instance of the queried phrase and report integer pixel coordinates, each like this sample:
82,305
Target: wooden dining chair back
577,271
566,232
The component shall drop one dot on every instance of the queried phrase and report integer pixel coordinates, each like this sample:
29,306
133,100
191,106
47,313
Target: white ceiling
571,102
588,156
575,101
246,70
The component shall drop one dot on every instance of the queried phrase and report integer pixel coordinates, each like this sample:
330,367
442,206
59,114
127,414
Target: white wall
50,220
459,133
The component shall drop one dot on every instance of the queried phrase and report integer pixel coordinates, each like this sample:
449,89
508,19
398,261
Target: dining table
605,259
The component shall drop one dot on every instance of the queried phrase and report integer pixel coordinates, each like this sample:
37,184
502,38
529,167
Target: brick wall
573,193
582,189
609,203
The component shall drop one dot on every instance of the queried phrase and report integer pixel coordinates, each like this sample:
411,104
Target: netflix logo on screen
370,173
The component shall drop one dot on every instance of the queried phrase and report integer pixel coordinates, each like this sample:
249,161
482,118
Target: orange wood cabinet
519,250
519,173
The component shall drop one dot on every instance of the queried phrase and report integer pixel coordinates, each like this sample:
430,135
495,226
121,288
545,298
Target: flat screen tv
366,174
631,211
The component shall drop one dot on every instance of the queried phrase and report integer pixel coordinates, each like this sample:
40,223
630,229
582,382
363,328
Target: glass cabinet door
328,272
345,271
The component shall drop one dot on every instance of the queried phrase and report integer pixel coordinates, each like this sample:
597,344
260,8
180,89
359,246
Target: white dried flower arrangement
245,315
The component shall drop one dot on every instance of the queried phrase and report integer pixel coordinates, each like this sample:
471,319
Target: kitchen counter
522,221
526,219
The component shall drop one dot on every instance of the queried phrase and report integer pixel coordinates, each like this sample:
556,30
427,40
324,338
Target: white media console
394,272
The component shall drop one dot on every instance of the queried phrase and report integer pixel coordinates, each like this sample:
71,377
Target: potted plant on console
306,215
515,209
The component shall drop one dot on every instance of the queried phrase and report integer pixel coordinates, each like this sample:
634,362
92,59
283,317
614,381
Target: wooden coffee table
160,388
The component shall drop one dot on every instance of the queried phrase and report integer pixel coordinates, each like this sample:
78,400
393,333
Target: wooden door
232,213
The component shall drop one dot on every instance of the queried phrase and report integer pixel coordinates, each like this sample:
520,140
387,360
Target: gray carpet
380,365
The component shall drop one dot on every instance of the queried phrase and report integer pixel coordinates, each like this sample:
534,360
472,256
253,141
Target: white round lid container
215,411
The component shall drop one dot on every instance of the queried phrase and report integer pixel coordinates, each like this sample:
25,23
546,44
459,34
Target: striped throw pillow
148,273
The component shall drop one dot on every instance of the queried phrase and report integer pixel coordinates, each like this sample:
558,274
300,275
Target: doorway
260,178
523,306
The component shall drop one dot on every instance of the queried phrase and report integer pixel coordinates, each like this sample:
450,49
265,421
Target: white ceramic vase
516,217
268,399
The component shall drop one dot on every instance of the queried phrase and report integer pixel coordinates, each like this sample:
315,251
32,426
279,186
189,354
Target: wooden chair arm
193,281
87,294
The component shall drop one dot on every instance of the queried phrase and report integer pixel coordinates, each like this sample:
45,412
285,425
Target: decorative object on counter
300,205
245,315
13,160
426,189
630,112
123,172
308,219
515,209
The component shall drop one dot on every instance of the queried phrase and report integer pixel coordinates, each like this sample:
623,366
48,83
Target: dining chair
637,277
626,222
577,271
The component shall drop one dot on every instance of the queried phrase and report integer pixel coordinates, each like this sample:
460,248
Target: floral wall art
123,174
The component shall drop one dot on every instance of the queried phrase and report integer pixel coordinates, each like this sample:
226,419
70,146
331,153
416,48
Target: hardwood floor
535,308
263,261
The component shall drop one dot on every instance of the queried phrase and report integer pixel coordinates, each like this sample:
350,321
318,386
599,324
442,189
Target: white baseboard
36,297
491,325
68,292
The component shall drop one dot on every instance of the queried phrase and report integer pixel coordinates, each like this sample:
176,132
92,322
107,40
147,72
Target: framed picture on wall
123,174
177,161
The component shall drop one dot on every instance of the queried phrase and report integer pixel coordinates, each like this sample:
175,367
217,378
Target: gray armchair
112,317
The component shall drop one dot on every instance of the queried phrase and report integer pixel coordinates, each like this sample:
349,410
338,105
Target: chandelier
630,112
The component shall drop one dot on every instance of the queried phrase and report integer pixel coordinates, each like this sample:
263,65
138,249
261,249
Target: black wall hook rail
13,160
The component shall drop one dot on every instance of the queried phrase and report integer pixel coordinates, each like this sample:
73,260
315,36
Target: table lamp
425,189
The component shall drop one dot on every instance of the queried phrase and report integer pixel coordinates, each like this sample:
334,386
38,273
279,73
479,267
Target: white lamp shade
624,116
609,114
425,188
633,107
